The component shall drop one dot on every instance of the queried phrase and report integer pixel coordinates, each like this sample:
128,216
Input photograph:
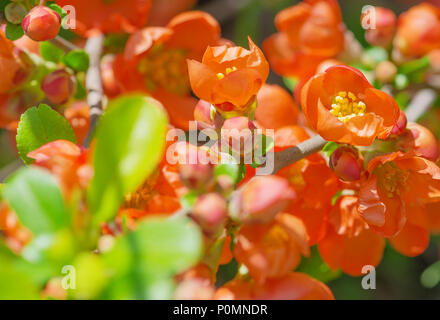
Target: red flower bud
346,164
421,140
261,199
210,213
41,23
58,86
382,33
202,112
238,134
400,126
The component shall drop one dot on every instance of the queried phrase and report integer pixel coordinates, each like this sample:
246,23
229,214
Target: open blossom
418,30
396,182
154,61
349,243
114,16
293,286
272,250
276,108
342,106
313,204
309,33
229,77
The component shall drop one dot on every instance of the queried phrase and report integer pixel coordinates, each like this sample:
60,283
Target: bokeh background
398,277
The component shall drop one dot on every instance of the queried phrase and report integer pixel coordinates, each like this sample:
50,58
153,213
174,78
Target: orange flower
293,286
154,61
349,243
309,32
78,115
16,235
229,77
433,214
396,181
342,106
163,11
418,30
114,16
272,250
9,65
67,161
276,108
304,176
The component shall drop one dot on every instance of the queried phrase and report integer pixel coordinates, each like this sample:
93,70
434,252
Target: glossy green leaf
78,60
39,126
14,31
51,52
37,200
148,258
231,170
130,144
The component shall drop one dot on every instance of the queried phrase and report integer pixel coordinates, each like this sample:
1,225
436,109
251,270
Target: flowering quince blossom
108,16
229,77
154,61
396,182
309,33
342,106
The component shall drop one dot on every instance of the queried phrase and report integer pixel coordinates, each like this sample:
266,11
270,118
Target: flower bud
41,23
15,12
386,71
400,126
346,164
421,140
202,112
238,132
434,60
58,86
382,33
210,213
261,199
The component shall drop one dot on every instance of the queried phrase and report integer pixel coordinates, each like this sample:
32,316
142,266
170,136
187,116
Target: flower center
165,68
346,105
276,237
392,178
228,71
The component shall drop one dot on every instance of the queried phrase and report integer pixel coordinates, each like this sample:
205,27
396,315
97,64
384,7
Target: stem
421,103
63,44
94,47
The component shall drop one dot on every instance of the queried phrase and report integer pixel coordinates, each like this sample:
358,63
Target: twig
94,47
63,44
421,102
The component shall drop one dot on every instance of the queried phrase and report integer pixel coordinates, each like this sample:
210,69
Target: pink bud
382,26
238,134
346,164
400,126
202,112
58,86
210,213
261,199
41,23
421,140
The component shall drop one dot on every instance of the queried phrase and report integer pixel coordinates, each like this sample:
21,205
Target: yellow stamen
220,75
346,106
392,178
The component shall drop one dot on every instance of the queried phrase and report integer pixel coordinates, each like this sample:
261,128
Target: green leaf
431,276
413,66
189,199
39,126
130,144
315,267
290,83
57,9
14,31
16,285
329,148
37,200
374,55
78,60
401,81
150,256
231,170
51,52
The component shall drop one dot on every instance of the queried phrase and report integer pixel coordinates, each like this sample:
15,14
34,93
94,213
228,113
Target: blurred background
398,277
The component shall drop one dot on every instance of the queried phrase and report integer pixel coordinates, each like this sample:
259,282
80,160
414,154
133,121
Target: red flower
396,181
342,106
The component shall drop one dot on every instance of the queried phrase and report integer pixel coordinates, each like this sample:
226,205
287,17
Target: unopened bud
15,12
382,31
203,112
400,127
58,86
419,139
41,23
261,199
210,213
238,134
346,164
386,71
